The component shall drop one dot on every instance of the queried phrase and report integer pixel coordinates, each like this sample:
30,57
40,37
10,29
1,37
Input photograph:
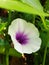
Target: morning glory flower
25,36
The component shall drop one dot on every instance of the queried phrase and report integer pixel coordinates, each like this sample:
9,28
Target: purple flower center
22,38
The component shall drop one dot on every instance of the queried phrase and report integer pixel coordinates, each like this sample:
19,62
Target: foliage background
40,18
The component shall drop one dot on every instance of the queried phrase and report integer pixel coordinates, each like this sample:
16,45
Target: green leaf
45,39
22,7
2,26
47,23
34,4
48,39
43,36
2,42
5,48
48,44
47,6
13,52
1,64
2,49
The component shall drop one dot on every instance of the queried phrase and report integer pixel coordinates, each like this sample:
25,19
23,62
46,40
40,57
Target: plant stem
45,52
44,59
7,59
9,16
33,19
43,20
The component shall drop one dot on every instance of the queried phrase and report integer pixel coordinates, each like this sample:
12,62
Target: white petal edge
32,46
17,45
31,30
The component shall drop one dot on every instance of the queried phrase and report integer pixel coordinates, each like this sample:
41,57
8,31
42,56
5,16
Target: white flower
25,36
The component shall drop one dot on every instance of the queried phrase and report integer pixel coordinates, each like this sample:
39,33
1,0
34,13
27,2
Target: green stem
45,52
44,59
9,16
7,59
3,60
43,20
33,19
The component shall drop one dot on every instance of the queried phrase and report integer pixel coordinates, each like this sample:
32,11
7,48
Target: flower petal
32,46
23,26
31,30
17,45
16,25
